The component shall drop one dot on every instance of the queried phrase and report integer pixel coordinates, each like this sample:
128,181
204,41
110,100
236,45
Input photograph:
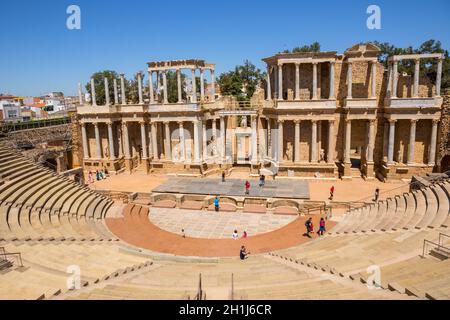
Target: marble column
116,94
297,81
213,85
98,145
371,141
385,139
314,93
107,99
297,141
313,141
202,85
348,137
330,155
412,141
204,140
374,80
93,97
122,89
167,142
439,78
349,80
319,138
416,78
182,142
280,82
112,152
331,96
214,135
223,147
432,152
269,138
165,87
280,141
180,97
194,87
139,78
254,141
391,141
197,148
85,141
126,140
275,75
144,141
154,140
120,138
150,87
80,94
269,93
150,142
394,79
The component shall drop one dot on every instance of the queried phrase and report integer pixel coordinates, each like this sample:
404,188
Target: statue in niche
106,152
244,122
289,152
399,156
322,155
176,152
162,156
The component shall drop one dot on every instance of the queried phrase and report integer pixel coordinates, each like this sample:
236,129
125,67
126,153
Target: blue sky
39,54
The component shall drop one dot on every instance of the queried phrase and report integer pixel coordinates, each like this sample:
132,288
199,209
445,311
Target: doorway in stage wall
242,143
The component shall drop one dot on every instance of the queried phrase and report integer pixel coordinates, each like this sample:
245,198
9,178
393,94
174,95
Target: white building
10,108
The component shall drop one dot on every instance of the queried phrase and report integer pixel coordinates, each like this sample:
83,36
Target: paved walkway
212,225
136,229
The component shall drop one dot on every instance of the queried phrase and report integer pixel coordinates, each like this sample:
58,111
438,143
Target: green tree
99,84
313,47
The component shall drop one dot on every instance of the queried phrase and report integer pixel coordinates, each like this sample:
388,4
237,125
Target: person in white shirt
235,235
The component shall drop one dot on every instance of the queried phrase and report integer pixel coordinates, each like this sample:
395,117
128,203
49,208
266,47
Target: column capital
315,63
83,124
180,123
96,124
414,120
314,121
297,121
142,122
372,121
109,123
166,123
280,120
435,121
392,121
280,64
297,64
347,120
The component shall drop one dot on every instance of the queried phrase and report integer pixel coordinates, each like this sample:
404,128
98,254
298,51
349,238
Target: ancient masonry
322,115
444,145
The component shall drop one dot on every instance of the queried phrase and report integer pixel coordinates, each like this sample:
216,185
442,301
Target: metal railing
13,257
436,246
442,236
12,127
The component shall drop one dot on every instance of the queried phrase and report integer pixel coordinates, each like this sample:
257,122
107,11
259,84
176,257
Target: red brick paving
136,229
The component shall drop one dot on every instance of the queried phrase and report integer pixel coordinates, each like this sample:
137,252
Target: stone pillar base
347,171
128,165
370,173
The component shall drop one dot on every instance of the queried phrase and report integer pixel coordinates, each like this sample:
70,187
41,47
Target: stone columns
154,140
112,152
204,141
374,80
439,78
122,89
214,130
223,138
93,97
269,138
182,142
416,78
314,95
197,150
391,141
314,141
126,141
167,149
107,99
432,152
213,85
85,141
331,81
297,81
139,78
371,141
280,82
412,141
80,94
150,143
269,93
194,87
349,80
348,137
254,141
385,139
297,141
165,87
116,94
150,87
280,141
144,141
202,85
394,79
98,145
179,86
330,155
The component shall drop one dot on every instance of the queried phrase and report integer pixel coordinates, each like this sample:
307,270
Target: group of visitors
99,175
235,235
310,227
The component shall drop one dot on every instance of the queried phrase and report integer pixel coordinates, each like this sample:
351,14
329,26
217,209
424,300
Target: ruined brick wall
76,156
444,135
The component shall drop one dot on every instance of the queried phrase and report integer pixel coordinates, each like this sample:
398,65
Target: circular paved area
212,225
136,229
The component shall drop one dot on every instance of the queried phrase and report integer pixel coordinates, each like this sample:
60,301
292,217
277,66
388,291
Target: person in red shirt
331,193
247,187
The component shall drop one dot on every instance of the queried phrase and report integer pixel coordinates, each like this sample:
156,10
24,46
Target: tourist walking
243,254
244,235
321,227
235,235
377,194
247,187
309,227
331,193
262,180
90,177
216,204
223,176
97,175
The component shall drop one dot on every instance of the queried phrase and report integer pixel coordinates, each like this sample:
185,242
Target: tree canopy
313,47
241,82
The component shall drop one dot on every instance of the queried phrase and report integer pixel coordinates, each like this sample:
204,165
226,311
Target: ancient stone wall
444,135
